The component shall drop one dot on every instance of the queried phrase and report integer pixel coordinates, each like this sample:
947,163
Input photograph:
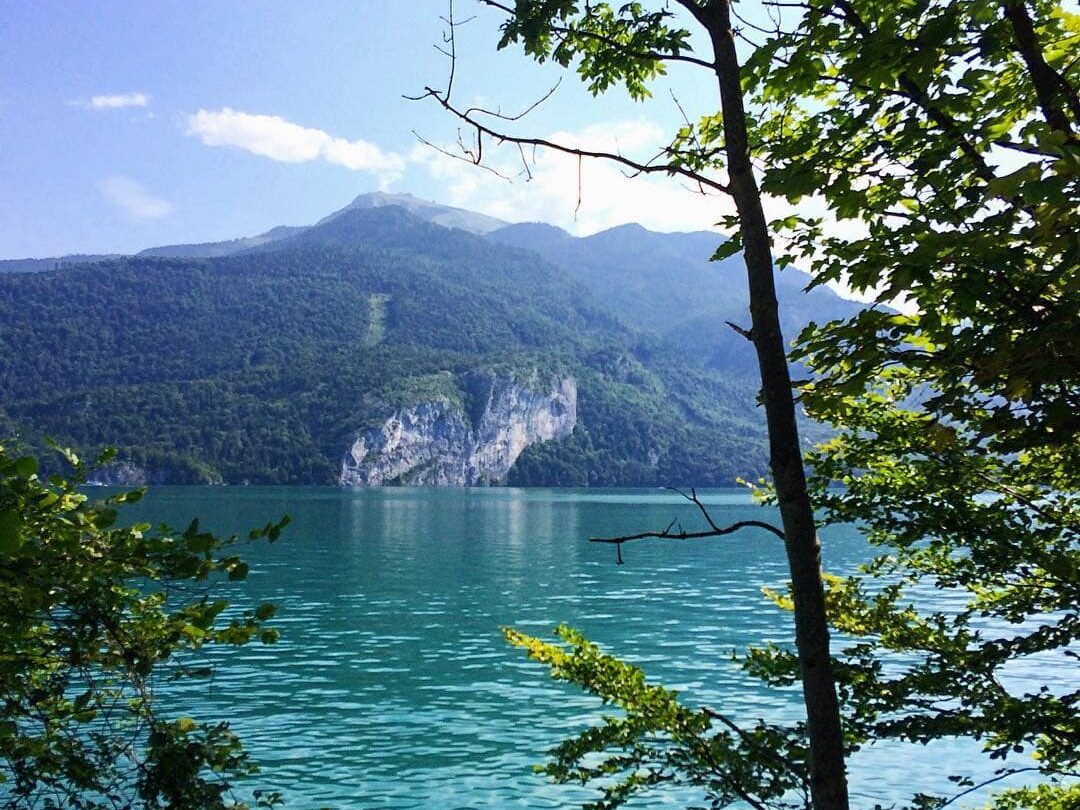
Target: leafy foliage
952,130
658,740
947,132
92,615
964,178
598,38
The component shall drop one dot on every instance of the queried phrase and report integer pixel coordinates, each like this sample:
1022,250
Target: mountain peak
445,215
377,199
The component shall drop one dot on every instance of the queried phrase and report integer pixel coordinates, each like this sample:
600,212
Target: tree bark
1051,88
828,775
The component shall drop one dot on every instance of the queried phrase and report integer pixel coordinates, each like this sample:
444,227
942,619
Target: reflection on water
392,686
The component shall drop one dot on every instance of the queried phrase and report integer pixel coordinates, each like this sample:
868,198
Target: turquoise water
392,686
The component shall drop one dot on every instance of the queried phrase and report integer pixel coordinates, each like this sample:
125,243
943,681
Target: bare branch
463,156
693,498
675,531
476,119
450,40
483,129
1004,773
502,116
775,30
746,333
681,534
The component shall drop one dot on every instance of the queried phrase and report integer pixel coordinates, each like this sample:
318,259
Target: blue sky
130,124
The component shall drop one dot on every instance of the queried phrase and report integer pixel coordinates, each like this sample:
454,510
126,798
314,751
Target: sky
125,125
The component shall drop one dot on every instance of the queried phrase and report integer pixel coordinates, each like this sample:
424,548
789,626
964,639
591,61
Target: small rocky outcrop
154,472
120,474
472,442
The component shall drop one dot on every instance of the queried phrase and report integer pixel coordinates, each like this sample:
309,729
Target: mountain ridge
264,359
265,366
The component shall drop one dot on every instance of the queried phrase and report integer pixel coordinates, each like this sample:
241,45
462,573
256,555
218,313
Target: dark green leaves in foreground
93,613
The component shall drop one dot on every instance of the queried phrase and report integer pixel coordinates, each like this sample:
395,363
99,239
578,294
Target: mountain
375,345
428,211
209,250
665,283
444,215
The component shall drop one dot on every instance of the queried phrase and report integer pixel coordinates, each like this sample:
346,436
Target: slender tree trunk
828,776
1054,92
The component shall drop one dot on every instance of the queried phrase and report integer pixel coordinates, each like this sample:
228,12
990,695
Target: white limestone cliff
437,443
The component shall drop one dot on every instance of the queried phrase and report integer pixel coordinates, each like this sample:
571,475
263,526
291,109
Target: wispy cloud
278,139
132,198
118,101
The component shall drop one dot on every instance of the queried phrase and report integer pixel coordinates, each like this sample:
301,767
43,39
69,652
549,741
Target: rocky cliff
471,442
160,470
120,474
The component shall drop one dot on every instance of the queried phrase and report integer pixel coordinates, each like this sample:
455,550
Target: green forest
261,367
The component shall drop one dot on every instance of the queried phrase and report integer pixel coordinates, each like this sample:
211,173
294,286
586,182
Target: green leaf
11,538
26,467
727,248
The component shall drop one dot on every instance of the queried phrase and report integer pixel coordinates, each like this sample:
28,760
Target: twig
681,534
499,113
465,156
746,333
477,119
1003,774
482,129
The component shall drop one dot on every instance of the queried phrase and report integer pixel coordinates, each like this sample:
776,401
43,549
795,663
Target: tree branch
1049,84
746,333
472,117
1003,774
468,116
785,763
675,531
920,97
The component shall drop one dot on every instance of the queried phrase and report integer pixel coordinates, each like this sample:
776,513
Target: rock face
123,473
120,474
474,443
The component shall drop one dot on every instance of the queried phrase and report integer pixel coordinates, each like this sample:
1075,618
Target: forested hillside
665,283
262,365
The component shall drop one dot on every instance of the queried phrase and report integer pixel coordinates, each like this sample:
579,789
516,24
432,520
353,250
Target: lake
392,685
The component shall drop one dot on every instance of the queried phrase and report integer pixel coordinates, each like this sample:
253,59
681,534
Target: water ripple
392,686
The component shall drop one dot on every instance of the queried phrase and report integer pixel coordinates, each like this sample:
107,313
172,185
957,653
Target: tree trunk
828,777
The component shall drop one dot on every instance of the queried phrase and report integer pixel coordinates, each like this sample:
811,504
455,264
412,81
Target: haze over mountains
270,358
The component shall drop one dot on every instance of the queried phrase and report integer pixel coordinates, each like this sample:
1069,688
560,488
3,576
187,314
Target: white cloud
119,101
132,198
608,197
278,139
